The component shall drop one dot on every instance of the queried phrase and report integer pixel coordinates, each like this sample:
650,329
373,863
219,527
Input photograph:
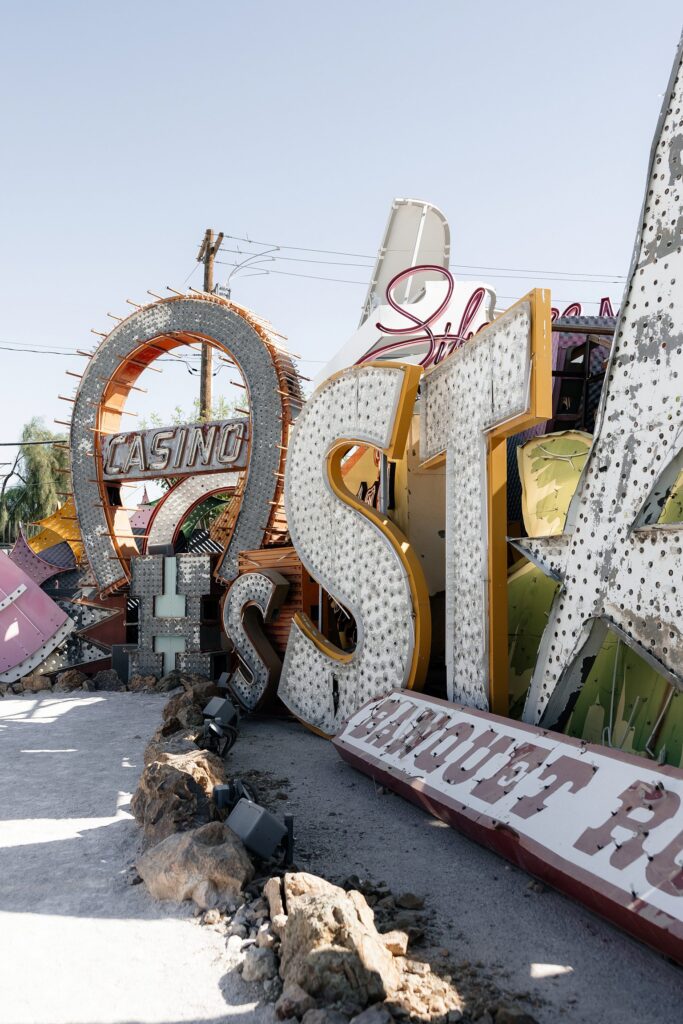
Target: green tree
30,491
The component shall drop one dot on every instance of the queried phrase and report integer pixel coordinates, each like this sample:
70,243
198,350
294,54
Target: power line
464,266
340,280
24,444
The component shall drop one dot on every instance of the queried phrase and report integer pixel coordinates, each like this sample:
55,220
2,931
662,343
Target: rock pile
322,953
107,679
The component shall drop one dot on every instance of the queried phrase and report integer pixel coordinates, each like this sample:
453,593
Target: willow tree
31,489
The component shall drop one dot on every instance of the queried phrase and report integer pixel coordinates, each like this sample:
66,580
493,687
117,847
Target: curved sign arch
274,401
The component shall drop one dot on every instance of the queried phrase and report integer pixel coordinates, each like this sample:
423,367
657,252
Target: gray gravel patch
79,944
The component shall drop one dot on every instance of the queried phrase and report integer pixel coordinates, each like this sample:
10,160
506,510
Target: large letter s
356,553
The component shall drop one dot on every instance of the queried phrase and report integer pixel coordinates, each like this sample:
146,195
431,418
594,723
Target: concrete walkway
78,943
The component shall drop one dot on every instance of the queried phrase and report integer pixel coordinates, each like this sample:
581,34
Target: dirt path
78,943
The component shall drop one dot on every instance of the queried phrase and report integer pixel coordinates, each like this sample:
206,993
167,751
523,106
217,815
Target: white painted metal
618,568
479,387
416,232
345,552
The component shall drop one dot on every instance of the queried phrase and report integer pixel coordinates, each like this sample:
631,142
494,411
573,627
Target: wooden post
207,255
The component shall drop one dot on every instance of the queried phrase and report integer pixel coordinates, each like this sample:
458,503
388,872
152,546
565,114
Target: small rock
387,903
72,679
511,1015
138,684
409,901
237,929
35,682
107,679
415,967
327,1016
259,964
536,886
212,916
293,1002
377,1014
454,1016
278,924
265,937
272,989
272,891
396,942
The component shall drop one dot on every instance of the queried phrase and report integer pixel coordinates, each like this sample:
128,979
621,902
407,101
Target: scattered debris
323,953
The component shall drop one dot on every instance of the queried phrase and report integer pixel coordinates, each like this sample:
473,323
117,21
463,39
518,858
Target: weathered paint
618,566
253,599
600,825
357,555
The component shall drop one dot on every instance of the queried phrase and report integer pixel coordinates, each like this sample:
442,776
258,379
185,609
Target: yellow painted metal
61,525
539,409
403,549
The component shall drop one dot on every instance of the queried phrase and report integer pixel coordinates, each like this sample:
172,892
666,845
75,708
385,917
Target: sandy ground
78,943
512,931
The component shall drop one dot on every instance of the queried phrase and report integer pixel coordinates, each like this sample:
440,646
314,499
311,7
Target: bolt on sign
601,825
177,451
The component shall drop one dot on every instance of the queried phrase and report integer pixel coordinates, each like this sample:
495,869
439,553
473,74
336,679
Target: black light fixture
262,833
226,795
221,723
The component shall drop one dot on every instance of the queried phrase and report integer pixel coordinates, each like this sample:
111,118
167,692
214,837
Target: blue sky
130,127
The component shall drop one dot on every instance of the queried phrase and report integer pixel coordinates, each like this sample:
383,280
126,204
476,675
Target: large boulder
205,768
182,742
107,679
173,794
71,679
208,865
297,884
35,682
185,709
333,951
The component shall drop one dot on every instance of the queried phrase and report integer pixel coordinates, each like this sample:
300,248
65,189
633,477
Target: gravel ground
502,929
78,943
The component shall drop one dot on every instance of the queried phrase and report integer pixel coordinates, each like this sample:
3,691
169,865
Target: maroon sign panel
601,825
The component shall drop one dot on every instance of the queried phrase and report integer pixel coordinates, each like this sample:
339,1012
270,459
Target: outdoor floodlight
261,832
221,722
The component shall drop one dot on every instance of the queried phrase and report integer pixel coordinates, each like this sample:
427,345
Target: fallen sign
601,825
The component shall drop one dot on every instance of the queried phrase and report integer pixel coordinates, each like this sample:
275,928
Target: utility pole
207,255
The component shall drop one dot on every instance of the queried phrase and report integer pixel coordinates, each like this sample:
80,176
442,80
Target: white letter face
347,553
619,569
251,601
478,387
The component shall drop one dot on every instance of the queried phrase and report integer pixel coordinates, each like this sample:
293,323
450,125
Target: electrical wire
340,280
464,266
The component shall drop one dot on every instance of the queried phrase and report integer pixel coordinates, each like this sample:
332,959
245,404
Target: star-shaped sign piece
618,567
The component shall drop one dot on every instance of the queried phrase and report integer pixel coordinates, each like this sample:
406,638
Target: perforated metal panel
479,386
193,580
177,503
259,666
348,554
